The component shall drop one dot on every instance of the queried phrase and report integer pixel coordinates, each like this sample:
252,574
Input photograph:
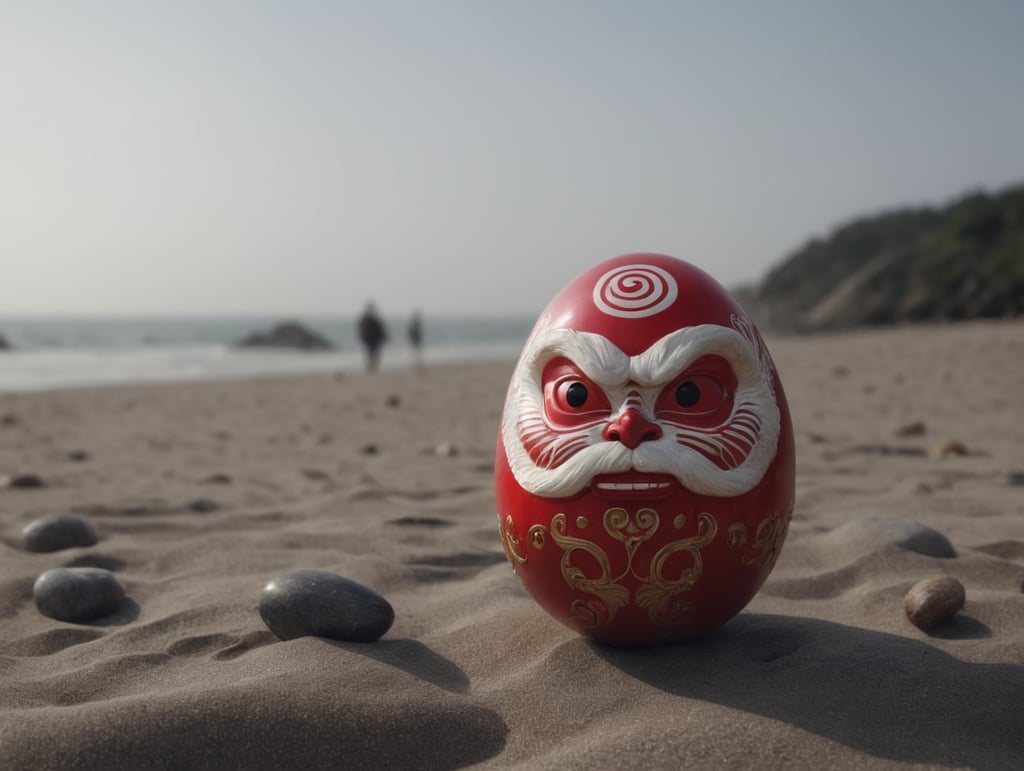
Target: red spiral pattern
635,291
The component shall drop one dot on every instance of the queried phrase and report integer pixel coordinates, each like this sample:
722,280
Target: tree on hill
965,260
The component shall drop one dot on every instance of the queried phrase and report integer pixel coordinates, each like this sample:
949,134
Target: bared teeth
632,485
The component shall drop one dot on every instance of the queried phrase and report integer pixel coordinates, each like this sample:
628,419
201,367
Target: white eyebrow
597,357
676,351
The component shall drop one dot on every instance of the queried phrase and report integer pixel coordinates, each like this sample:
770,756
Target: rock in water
56,533
77,594
289,334
4,345
933,600
316,603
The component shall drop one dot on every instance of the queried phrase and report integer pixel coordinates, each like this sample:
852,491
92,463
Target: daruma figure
645,467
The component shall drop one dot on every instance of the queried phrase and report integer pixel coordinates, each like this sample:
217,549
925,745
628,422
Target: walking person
416,338
373,334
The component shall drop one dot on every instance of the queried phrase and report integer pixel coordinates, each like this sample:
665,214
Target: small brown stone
446,450
933,600
26,481
917,428
946,448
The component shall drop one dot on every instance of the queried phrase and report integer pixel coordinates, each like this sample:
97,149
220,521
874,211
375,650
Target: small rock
217,479
446,450
933,600
203,505
8,419
1015,478
917,428
315,603
77,594
946,448
316,475
26,481
394,400
840,371
4,345
56,533
369,449
78,456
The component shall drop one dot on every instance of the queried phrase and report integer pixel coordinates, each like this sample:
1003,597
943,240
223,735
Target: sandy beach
201,493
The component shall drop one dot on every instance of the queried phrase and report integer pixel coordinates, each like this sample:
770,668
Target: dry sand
822,669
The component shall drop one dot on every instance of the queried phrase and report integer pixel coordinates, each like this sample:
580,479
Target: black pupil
576,395
688,394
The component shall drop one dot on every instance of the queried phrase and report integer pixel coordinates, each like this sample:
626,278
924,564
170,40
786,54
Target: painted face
645,469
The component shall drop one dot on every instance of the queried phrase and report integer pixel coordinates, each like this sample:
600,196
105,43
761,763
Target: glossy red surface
638,559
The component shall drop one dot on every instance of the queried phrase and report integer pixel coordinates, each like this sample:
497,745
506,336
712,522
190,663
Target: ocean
52,353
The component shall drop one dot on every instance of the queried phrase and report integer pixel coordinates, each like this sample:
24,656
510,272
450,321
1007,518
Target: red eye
570,397
702,394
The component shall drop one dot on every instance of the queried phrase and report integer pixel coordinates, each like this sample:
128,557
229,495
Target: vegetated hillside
965,260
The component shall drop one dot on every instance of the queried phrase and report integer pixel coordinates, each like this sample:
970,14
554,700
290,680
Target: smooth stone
315,603
26,481
77,594
933,600
917,428
446,450
56,533
877,532
948,448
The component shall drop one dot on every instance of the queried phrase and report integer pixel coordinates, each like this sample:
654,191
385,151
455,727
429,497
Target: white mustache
662,456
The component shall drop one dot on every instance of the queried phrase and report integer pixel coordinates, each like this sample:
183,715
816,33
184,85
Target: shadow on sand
886,695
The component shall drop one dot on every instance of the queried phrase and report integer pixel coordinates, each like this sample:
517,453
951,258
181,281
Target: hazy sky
463,156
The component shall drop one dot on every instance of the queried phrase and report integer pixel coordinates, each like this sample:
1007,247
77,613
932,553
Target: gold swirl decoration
604,587
768,538
658,592
513,543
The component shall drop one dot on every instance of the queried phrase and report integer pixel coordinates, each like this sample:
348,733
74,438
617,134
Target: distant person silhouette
416,338
372,334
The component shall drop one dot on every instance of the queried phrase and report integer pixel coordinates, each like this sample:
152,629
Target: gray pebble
917,428
56,533
77,594
26,481
870,533
303,603
933,600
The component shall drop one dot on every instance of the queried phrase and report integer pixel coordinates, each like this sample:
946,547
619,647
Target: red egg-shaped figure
645,470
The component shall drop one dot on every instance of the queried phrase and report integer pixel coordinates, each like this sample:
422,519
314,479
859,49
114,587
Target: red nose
631,428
